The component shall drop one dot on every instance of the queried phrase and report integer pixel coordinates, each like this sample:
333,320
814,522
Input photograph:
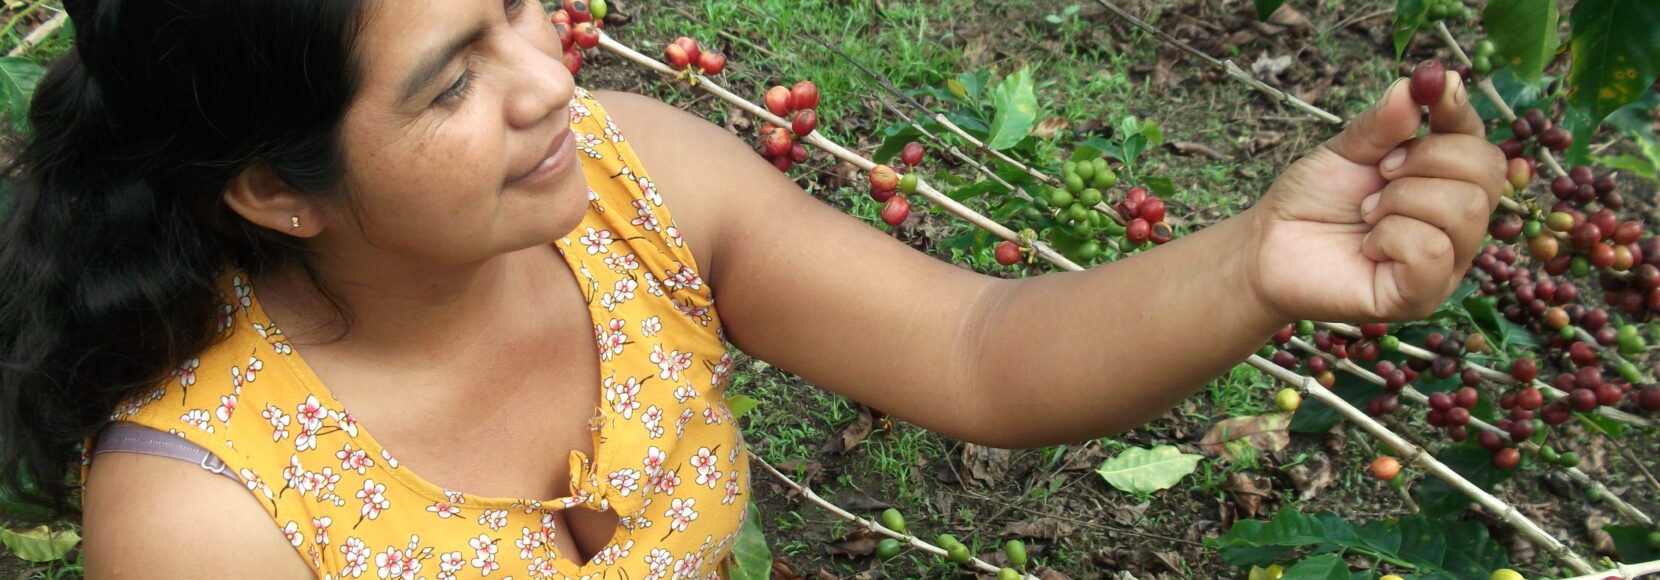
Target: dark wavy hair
117,232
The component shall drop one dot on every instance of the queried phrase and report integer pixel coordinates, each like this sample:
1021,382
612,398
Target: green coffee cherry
1548,454
598,9
1078,212
1267,351
1532,229
1580,266
1568,459
1389,343
893,520
1008,574
1074,183
888,548
1653,540
1089,250
1629,372
1015,550
1069,168
907,184
1104,177
1593,494
1481,65
945,540
1090,197
1305,327
958,553
1484,48
1060,198
1086,171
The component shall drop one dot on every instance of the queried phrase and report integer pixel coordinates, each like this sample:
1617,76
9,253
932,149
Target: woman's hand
1377,224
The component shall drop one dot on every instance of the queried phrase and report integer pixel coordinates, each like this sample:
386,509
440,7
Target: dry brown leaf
1046,573
1047,129
986,464
851,435
1196,148
1601,542
1248,492
1046,528
1264,432
781,569
1290,18
1312,476
858,501
863,545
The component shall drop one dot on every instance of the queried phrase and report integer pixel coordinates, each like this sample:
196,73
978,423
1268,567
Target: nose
542,84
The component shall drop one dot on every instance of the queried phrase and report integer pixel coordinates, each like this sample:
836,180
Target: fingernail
1369,204
1394,160
1461,96
1389,93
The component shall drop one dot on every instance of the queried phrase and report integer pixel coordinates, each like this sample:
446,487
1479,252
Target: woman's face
458,145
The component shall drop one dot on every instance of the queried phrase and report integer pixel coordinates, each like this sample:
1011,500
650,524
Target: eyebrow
436,60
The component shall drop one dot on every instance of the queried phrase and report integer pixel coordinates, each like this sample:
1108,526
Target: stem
1416,454
1227,66
1631,571
807,493
1486,86
1415,396
816,139
39,33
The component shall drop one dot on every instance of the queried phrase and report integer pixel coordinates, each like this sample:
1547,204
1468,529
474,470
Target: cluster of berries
800,105
578,25
890,188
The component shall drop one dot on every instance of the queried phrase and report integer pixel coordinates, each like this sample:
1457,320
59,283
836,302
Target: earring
295,222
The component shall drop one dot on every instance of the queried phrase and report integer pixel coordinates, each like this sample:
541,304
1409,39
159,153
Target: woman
230,204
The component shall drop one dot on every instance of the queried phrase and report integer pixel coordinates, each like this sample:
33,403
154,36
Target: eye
456,91
513,5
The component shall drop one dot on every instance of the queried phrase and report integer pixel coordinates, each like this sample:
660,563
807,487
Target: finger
1450,156
1414,261
1454,113
1459,209
1372,135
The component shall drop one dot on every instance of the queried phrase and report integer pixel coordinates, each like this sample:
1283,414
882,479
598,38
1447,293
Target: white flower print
243,291
485,550
354,460
667,482
654,460
684,393
279,421
187,372
345,421
306,440
622,396
393,564
391,461
688,566
254,366
710,417
321,482
374,499
624,290
449,563
542,568
651,326
609,301
653,285
625,481
320,530
579,111
357,557
612,133
658,561
530,541
648,190
292,532
454,497
198,418
674,235
680,424
622,262
721,370
648,219
706,465
293,475
224,315
227,406
493,518
444,509
596,240
670,364
653,418
254,482
732,489
310,414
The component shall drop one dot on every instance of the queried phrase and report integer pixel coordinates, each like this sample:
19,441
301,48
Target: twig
1486,86
1227,66
1631,571
39,34
807,493
925,190
1550,391
1415,454
1415,396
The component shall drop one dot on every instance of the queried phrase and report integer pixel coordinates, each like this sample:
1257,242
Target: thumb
1394,119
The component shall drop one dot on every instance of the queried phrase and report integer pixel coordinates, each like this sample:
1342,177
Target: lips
559,149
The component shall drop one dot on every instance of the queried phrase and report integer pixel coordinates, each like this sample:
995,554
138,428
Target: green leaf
1015,101
1161,186
1438,499
1524,36
18,78
1471,552
896,137
1326,567
1153,132
974,83
1616,55
1632,163
1266,8
1601,424
1632,543
751,558
740,405
39,544
1409,15
1140,470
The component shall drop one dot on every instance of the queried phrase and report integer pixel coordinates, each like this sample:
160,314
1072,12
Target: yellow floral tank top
667,453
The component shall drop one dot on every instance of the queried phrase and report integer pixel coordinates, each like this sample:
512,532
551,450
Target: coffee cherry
1458,433
1564,188
586,35
1521,128
1386,468
1151,210
578,10
1283,335
957,553
1627,232
778,100
1538,120
1521,430
883,177
1568,459
1008,253
1609,395
1286,359
804,95
1326,379
1649,399
1444,367
1585,234
804,123
677,57
1506,574
1288,400
1518,174
882,195
1556,318
888,548
1490,441
1161,233
893,520
1008,574
1623,259
1015,551
573,59
1138,231
896,210
1512,148
1602,255
777,142
711,62
1441,402
1555,413
798,153
1466,397
1582,354
693,52
1542,247
1507,458
1470,377
1429,80
1457,416
911,155
1530,398
1556,138
1583,399
1524,370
